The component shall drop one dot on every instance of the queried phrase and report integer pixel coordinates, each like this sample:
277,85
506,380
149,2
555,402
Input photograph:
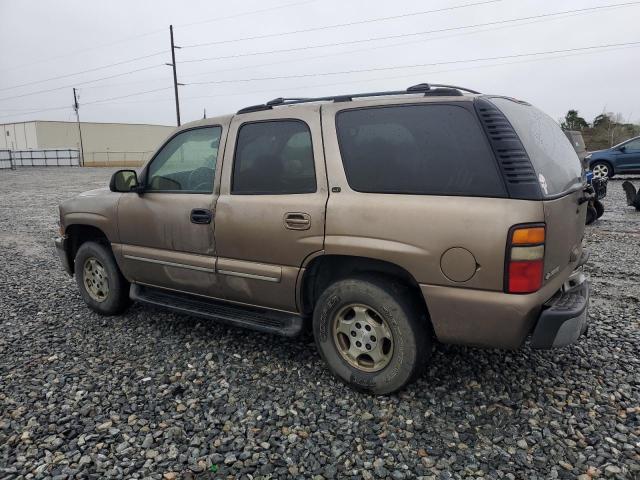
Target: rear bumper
501,320
61,247
565,319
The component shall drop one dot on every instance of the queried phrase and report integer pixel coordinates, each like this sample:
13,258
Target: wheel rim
363,337
600,170
95,278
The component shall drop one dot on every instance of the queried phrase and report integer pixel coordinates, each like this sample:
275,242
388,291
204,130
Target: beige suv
383,221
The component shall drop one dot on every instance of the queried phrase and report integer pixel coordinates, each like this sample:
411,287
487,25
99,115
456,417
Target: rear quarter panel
414,231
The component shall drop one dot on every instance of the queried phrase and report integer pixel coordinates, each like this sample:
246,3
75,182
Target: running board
266,321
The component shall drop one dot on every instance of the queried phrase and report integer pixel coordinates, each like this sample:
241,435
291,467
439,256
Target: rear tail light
525,259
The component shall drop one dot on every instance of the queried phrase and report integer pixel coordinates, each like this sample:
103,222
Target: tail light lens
525,259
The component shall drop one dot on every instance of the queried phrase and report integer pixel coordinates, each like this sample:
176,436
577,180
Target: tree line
606,130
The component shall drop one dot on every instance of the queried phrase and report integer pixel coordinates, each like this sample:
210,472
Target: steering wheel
193,177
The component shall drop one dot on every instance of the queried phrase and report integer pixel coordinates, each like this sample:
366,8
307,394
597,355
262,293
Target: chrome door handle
297,221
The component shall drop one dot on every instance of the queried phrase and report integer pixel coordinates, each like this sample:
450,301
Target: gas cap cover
458,264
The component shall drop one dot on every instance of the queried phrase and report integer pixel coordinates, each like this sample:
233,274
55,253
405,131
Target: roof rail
426,88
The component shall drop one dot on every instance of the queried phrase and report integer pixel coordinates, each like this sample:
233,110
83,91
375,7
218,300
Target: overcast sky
45,39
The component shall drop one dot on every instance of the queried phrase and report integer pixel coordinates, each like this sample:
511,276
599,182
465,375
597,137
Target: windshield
551,153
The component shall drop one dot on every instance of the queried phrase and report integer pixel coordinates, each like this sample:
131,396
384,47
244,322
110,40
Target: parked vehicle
623,158
577,141
383,221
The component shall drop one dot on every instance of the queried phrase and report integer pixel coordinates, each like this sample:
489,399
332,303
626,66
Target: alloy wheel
363,337
95,278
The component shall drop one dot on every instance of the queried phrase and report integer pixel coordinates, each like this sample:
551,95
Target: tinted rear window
551,153
417,149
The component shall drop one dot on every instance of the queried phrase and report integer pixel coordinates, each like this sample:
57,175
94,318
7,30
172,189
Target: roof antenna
205,113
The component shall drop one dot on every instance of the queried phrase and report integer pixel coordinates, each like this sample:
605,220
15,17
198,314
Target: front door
167,233
628,160
271,209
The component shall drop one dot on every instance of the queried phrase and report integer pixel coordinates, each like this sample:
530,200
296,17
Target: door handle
297,221
201,216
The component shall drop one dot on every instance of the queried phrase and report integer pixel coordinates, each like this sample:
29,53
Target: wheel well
326,269
79,234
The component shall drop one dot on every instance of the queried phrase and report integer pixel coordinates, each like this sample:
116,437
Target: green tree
573,121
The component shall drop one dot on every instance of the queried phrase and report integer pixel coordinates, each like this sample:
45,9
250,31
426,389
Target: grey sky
48,39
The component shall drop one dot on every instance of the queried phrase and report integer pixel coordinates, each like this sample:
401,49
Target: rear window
552,155
417,149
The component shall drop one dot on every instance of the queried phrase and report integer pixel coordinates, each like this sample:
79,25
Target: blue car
621,159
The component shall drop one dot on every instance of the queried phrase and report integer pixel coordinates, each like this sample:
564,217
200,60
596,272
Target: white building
103,143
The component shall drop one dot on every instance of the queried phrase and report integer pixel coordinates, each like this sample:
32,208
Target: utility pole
76,107
175,75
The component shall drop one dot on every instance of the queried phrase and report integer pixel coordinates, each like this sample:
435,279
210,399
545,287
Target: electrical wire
378,69
404,35
80,83
155,32
340,25
84,71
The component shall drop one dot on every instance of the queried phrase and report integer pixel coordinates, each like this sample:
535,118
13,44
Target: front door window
187,163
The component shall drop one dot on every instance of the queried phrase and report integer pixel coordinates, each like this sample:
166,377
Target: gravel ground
157,395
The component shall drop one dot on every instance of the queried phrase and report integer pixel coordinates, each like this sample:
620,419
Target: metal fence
45,158
5,160
115,159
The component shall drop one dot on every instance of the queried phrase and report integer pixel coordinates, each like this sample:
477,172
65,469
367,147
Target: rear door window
552,155
417,149
274,158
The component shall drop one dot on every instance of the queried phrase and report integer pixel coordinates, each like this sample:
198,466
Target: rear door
561,182
270,215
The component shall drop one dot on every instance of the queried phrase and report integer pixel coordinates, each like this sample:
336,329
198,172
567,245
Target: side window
187,163
633,146
417,149
273,158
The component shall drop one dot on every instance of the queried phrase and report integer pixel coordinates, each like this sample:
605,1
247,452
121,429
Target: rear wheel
101,284
372,334
602,170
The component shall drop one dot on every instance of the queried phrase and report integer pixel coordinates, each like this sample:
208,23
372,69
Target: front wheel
101,284
372,334
602,170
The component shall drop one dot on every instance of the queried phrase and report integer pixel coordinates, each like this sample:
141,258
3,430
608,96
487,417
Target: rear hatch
561,181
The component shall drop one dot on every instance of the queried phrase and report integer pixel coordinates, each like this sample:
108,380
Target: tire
602,169
592,215
101,284
384,309
599,206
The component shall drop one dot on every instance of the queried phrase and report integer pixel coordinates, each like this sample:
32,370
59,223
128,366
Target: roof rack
426,88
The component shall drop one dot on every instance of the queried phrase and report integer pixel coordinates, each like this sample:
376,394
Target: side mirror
125,181
623,148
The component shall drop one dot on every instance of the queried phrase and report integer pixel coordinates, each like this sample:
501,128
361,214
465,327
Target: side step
267,321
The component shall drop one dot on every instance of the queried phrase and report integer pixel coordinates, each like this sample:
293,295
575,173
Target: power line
339,25
128,95
154,32
84,71
35,111
80,83
378,69
404,35
252,12
347,82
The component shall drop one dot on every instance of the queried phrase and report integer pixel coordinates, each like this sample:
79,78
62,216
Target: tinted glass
551,153
273,158
633,145
187,163
417,149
